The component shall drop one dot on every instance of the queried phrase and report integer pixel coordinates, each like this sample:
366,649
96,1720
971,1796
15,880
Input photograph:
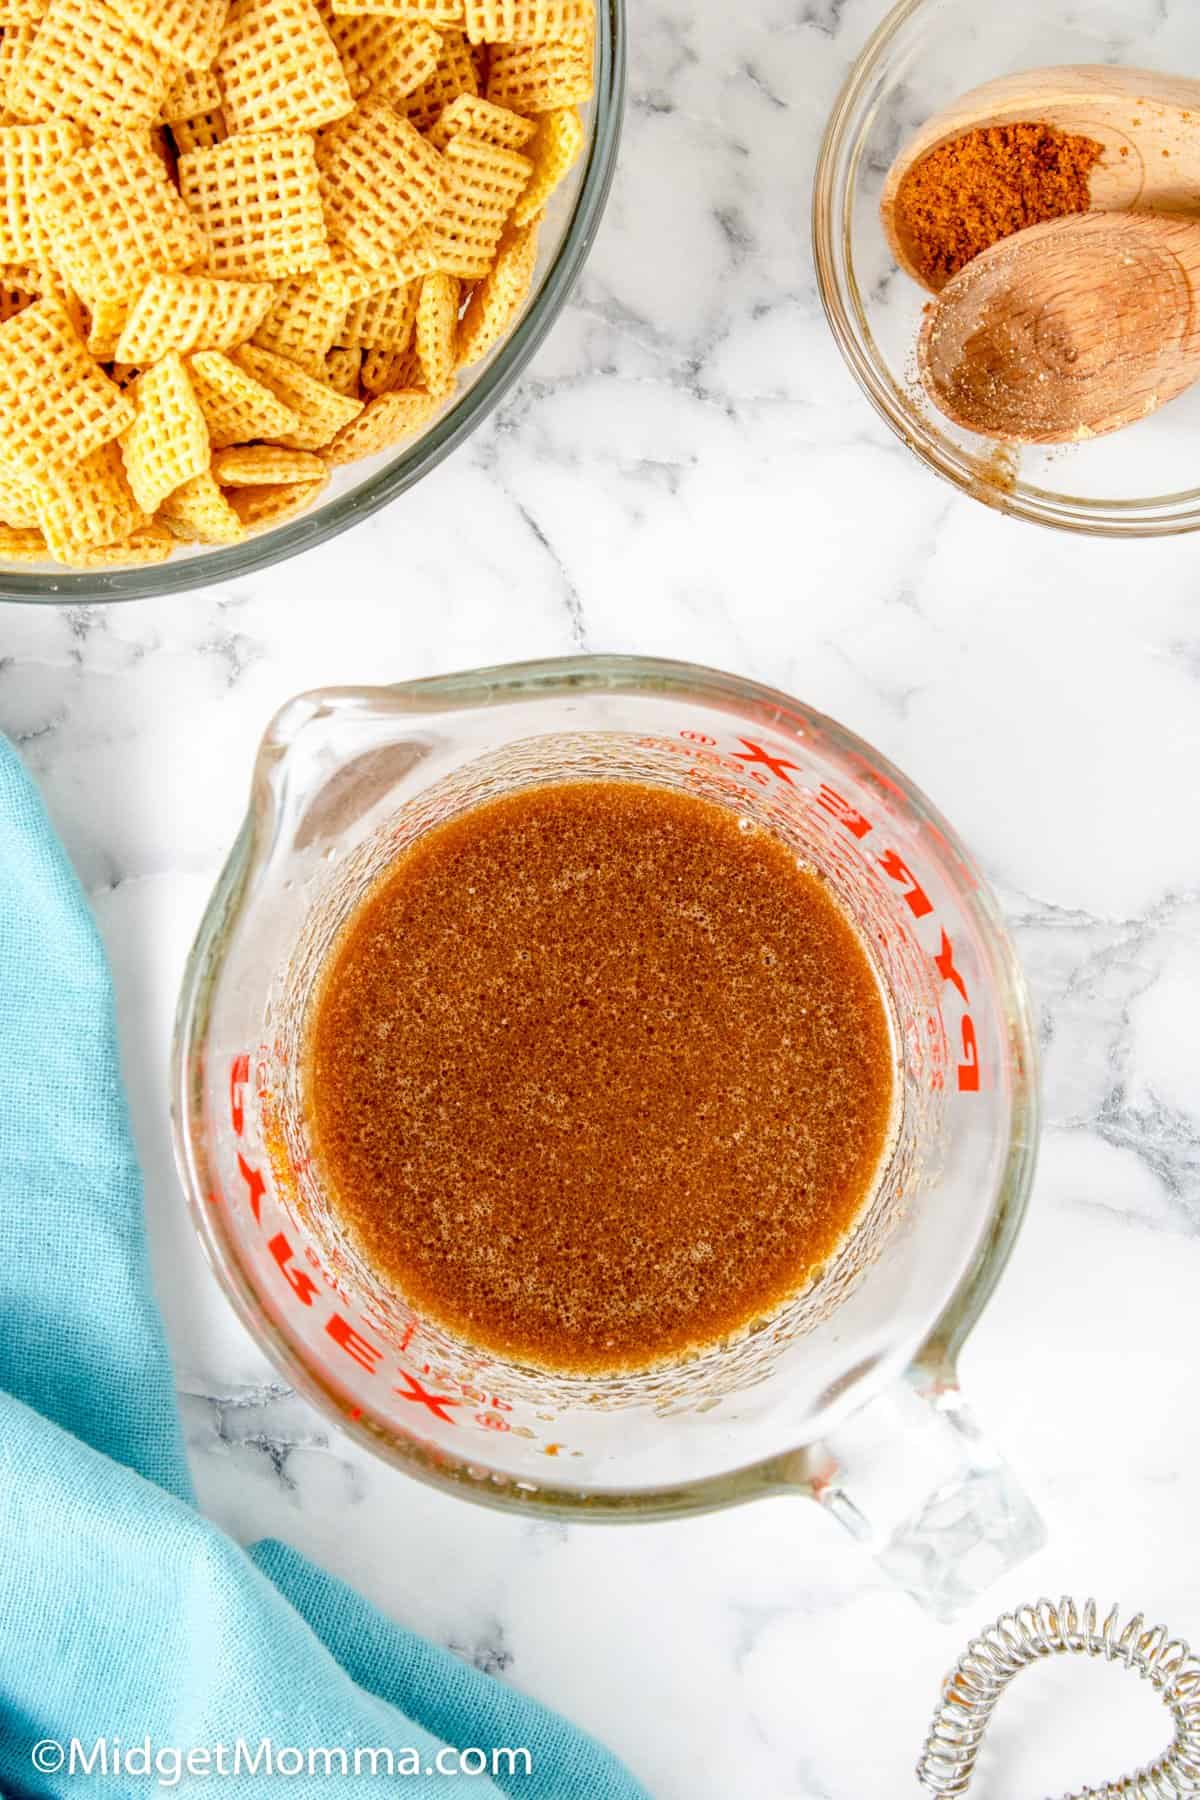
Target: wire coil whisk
1046,1629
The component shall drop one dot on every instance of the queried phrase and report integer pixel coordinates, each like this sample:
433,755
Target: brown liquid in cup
597,1076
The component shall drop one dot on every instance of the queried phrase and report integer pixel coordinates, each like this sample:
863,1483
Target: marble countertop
689,471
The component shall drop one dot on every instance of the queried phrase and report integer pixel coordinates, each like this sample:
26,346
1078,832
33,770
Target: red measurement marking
255,1184
302,1285
856,824
355,1346
407,1339
754,753
214,1199
239,1075
944,961
490,1422
437,1403
700,737
916,899
968,1071
355,1412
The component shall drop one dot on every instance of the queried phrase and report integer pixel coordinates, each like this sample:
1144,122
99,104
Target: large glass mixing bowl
357,491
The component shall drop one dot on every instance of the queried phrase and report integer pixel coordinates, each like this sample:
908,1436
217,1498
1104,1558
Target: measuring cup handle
914,1478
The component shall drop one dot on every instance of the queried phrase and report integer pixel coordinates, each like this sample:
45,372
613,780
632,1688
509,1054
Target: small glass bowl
360,489
1142,482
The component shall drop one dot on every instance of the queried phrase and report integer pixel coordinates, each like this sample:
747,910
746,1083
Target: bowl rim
444,435
834,188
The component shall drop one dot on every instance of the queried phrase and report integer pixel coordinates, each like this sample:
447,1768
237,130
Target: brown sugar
596,1074
968,194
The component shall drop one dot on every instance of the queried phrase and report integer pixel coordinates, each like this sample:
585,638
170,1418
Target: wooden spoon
1148,125
1068,330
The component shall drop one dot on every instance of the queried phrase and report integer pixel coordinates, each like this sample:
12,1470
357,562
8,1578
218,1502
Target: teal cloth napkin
124,1615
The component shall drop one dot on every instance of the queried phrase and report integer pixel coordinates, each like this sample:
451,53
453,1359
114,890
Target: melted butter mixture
597,1077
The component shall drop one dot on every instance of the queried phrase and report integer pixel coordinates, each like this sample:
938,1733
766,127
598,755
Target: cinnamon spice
968,194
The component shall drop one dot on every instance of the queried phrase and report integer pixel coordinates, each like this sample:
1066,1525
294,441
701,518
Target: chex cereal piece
526,21
554,150
355,37
436,331
199,513
55,288
200,132
168,441
279,69
13,300
259,508
305,318
196,91
414,259
257,198
28,278
342,370
16,41
356,280
454,75
191,312
485,184
360,279
320,411
106,319
538,78
30,282
116,218
237,408
383,371
18,503
483,119
388,56
153,543
407,59
22,546
497,300
385,322
84,504
85,64
27,154
187,31
265,465
56,404
21,12
380,180
433,12
383,423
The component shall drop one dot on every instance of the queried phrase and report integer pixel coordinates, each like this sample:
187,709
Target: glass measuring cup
850,1393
